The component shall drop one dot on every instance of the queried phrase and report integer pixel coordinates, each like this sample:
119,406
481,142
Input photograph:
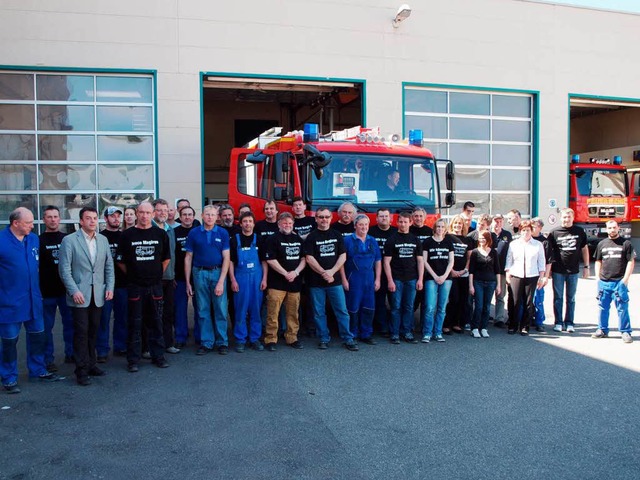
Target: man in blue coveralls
207,254
361,278
248,279
20,300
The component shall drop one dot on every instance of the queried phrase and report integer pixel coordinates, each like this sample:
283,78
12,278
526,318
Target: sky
621,5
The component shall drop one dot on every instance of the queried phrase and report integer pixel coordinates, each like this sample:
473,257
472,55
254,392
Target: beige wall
493,43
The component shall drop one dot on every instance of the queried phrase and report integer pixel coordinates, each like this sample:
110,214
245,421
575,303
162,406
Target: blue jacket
20,297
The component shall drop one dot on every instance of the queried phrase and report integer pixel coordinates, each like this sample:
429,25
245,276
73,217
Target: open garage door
238,109
605,146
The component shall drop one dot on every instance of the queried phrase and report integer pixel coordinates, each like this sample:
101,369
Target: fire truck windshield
601,183
369,180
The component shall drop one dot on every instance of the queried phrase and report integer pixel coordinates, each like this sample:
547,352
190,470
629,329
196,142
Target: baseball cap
112,210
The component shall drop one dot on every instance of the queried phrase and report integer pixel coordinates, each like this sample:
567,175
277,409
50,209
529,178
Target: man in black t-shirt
248,279
143,255
325,255
404,269
187,222
113,220
422,231
615,259
567,244
346,214
381,232
302,224
268,226
53,291
283,254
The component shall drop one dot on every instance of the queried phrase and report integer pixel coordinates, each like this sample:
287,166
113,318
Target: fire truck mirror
256,157
450,174
450,199
280,194
281,166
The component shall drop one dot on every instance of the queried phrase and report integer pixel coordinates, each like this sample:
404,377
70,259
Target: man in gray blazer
86,269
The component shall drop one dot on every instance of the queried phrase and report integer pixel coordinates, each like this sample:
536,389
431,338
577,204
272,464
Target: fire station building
109,103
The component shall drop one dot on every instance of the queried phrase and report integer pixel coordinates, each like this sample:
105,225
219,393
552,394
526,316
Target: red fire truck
634,194
356,165
599,191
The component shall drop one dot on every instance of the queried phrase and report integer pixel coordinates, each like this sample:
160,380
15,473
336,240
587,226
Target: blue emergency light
617,160
416,138
311,132
575,158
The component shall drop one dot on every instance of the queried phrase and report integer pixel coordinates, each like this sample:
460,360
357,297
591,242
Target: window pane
432,127
124,89
510,180
129,177
122,199
123,148
62,88
16,86
469,103
425,101
504,202
8,203
509,131
511,106
17,177
69,204
469,129
62,117
17,147
512,155
439,150
481,201
16,117
470,153
125,119
67,177
472,179
67,147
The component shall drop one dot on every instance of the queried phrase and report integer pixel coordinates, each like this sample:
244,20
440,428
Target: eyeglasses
323,217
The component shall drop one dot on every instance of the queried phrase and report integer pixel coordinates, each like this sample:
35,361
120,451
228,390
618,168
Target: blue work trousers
402,308
619,293
119,308
319,296
361,303
9,354
538,303
49,307
560,281
213,332
435,299
248,302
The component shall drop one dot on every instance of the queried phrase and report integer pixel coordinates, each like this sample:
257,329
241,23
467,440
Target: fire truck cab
599,192
356,165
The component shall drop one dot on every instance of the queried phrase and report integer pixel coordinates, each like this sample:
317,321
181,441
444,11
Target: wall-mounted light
403,13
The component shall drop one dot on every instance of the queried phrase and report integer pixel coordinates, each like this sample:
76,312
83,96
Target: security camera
403,13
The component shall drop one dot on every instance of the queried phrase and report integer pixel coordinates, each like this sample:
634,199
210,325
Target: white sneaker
484,333
557,327
570,329
627,338
426,339
475,333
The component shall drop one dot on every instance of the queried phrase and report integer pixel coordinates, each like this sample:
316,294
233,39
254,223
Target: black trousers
168,312
458,311
523,290
145,309
86,322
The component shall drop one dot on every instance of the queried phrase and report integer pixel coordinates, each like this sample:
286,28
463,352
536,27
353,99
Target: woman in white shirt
525,271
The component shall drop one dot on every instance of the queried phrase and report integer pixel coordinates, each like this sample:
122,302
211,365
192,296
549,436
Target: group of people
279,275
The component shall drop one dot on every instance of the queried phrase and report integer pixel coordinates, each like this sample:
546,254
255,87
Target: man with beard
346,214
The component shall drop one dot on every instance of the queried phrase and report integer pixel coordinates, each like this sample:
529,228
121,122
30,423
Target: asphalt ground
544,406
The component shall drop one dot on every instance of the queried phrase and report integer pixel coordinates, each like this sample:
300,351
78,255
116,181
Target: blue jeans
119,307
482,302
336,297
9,354
402,301
181,305
538,303
619,293
213,332
559,282
49,307
436,298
